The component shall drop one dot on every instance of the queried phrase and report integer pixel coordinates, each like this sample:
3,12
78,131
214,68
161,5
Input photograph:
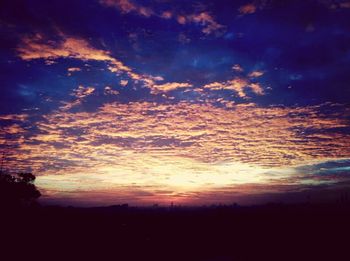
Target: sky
191,102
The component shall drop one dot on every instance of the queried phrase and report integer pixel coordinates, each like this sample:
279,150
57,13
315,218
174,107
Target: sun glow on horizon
173,174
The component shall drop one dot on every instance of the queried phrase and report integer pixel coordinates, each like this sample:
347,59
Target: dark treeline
217,233
17,190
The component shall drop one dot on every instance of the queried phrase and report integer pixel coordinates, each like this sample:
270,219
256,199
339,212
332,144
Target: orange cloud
247,9
183,147
74,69
181,19
244,133
255,74
79,94
237,84
147,12
166,15
108,90
206,20
166,87
237,68
124,82
82,91
36,47
125,6
14,117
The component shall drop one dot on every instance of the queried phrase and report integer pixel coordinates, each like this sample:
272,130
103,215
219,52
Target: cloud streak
35,47
239,85
166,87
203,19
38,47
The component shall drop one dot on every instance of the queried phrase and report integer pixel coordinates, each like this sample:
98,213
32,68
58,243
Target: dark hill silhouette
121,232
268,232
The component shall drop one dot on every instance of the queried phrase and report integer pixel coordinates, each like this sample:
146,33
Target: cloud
247,9
237,68
344,5
335,4
207,21
170,86
82,91
109,91
203,19
166,15
183,147
14,117
255,74
125,6
74,69
79,94
38,47
246,133
239,85
13,128
181,19
73,48
124,83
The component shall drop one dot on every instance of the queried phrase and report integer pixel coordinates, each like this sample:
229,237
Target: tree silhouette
17,189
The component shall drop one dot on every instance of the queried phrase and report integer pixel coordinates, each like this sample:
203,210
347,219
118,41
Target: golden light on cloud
255,74
176,177
38,47
166,87
173,151
183,144
240,85
174,98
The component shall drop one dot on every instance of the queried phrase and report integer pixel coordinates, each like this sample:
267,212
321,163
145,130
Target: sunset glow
160,102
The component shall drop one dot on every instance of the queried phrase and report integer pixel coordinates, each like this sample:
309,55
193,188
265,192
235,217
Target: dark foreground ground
269,232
